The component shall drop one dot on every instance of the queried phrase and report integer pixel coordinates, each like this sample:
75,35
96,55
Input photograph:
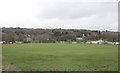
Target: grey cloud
76,10
62,14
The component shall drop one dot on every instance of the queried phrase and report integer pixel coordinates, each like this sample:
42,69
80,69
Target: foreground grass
61,57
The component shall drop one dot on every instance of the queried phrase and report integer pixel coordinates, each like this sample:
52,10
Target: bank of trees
55,35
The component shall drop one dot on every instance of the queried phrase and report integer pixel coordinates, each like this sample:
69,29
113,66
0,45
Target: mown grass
61,57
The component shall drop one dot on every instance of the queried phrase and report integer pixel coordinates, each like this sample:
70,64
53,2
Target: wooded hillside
55,35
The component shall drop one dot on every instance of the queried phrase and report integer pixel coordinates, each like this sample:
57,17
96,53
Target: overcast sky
67,14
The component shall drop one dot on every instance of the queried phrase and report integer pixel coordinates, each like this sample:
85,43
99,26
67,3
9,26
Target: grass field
60,57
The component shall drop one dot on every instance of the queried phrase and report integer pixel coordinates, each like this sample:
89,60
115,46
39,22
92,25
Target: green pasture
60,57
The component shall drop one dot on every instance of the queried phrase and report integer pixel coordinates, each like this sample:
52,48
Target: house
27,39
96,42
101,42
79,39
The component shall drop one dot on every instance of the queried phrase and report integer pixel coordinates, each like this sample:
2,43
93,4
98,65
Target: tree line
29,35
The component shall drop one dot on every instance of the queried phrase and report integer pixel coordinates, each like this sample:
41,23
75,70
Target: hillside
55,35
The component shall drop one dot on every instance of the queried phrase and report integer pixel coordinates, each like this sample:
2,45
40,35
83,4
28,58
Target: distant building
96,42
101,42
79,39
27,39
18,42
1,42
116,43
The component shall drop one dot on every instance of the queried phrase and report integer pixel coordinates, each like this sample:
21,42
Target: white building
79,38
116,43
1,42
96,42
102,42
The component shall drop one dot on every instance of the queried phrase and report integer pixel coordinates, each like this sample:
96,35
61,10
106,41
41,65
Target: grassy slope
61,57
